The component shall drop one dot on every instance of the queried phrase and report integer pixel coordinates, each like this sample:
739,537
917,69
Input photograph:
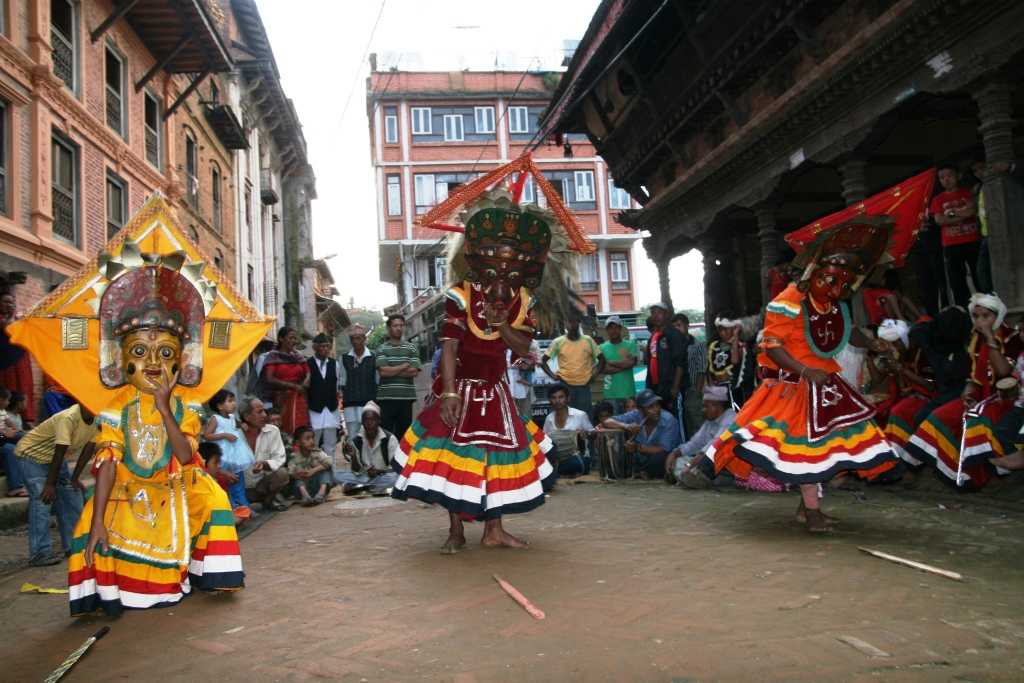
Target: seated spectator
42,454
371,452
718,415
10,433
565,425
604,410
268,475
655,434
310,467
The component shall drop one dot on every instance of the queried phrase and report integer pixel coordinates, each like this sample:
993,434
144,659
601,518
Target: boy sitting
310,468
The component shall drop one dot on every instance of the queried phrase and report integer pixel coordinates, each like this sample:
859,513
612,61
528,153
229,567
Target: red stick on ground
532,609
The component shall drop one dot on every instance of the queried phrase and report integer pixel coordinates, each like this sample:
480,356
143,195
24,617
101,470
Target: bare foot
498,537
816,522
454,544
801,515
1014,461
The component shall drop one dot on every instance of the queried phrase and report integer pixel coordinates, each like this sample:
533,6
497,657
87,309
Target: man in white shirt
371,451
565,426
322,395
518,376
268,475
687,463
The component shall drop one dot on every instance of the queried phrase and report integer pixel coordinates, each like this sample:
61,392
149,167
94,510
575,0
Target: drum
612,458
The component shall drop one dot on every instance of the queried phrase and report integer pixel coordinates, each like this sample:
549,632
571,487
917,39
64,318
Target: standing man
322,395
957,215
398,363
620,357
696,362
577,355
358,379
666,359
268,476
42,455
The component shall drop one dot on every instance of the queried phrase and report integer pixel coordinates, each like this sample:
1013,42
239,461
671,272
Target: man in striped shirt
398,363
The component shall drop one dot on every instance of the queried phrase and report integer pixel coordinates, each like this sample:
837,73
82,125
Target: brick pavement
639,582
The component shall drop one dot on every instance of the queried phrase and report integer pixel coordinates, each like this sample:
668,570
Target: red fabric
653,369
906,203
963,231
18,377
289,402
873,303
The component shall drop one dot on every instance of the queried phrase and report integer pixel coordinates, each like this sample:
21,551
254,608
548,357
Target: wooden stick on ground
531,609
911,563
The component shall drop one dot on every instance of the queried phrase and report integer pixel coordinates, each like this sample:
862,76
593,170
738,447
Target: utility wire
366,50
499,122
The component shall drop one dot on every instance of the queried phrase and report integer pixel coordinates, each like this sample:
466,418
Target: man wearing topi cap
718,414
371,452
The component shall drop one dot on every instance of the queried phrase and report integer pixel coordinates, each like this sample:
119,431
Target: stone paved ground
639,582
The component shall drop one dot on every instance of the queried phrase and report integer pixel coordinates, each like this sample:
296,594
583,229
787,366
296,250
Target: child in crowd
10,432
211,455
310,467
236,456
14,410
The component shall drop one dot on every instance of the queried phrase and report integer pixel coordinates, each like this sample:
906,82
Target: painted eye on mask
166,352
490,274
138,351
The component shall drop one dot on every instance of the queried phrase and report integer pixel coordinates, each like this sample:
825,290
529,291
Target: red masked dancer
470,450
940,438
804,424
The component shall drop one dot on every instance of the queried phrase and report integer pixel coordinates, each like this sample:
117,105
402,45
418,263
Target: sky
322,48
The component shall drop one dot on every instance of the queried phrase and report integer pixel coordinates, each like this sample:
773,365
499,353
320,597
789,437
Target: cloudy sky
320,46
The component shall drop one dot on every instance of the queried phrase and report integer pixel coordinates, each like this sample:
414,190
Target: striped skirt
770,435
938,440
475,482
167,537
900,425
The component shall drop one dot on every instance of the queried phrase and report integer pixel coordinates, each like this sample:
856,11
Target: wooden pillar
1004,197
768,238
663,280
854,180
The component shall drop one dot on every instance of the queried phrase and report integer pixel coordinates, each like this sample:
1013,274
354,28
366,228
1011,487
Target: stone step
13,512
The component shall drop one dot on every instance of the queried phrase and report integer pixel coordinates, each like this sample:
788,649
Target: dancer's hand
496,316
162,390
451,410
815,376
97,537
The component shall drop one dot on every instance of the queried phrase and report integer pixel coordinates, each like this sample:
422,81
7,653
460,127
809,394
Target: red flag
906,202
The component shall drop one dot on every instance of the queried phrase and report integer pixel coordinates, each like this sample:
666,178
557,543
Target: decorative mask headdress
857,245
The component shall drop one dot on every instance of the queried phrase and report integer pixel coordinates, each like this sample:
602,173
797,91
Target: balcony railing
114,110
268,192
63,214
63,58
226,125
192,190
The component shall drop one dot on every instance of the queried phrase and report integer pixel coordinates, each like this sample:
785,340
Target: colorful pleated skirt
938,440
770,434
167,537
900,425
474,481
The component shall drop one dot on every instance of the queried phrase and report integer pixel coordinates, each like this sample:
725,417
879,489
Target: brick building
103,104
432,131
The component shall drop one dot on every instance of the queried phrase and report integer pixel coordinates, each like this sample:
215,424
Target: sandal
18,493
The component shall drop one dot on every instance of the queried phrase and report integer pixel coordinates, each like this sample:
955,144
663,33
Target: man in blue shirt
655,434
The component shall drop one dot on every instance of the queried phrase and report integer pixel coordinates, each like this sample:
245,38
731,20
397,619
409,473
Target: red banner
906,202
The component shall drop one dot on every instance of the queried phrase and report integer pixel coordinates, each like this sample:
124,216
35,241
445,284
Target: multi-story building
104,103
432,131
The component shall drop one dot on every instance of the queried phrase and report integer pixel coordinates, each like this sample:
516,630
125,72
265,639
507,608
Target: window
453,128
218,259
390,125
3,155
440,271
215,195
64,189
248,214
115,75
117,204
250,282
518,120
63,24
153,127
617,197
584,181
394,196
529,195
214,92
421,278
484,119
421,121
423,191
620,270
191,169
588,273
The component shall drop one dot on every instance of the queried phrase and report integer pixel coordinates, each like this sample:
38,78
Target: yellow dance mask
150,357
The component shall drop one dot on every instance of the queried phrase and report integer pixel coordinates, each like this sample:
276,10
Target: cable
497,137
534,142
362,59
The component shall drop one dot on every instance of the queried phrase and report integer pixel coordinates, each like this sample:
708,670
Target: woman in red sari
286,372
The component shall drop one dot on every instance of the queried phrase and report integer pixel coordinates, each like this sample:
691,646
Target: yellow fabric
110,439
66,428
156,229
575,358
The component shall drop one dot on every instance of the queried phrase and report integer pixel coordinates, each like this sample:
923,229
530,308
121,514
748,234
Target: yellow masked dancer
141,336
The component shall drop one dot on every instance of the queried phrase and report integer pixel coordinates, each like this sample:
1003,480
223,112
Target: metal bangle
449,394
